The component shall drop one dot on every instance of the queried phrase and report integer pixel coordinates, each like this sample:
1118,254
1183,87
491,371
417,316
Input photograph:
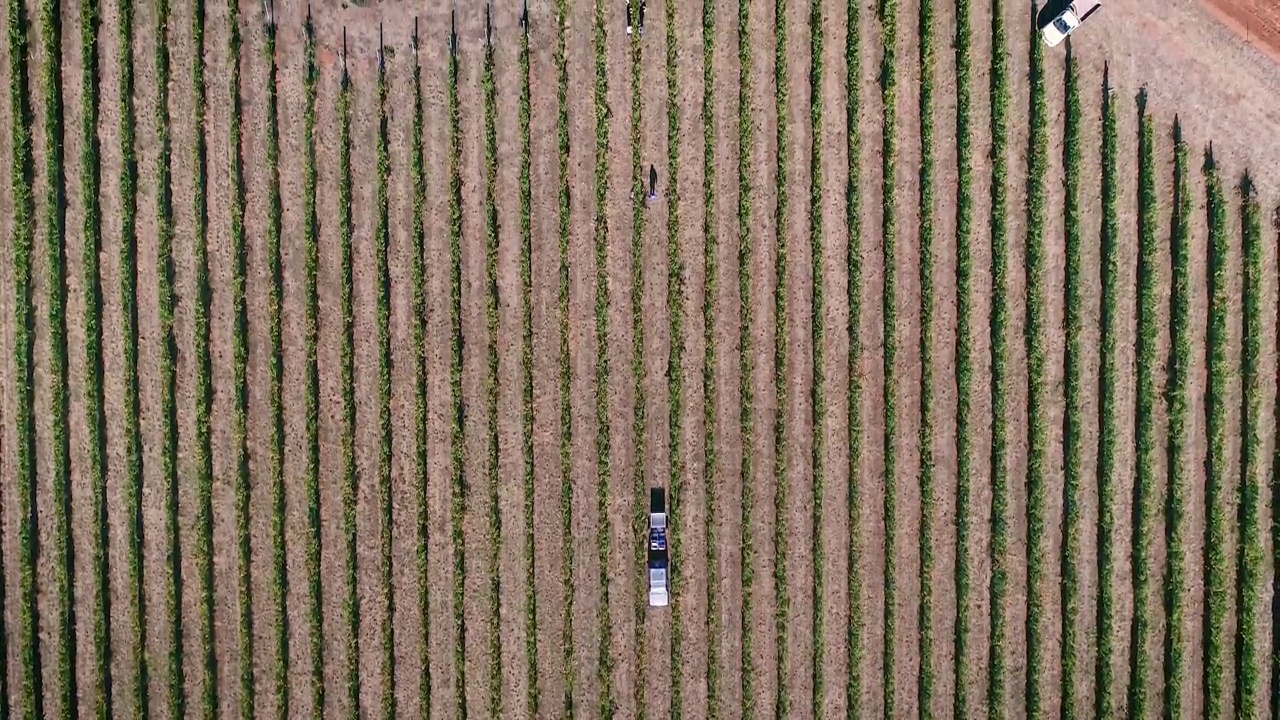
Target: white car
1067,21
659,562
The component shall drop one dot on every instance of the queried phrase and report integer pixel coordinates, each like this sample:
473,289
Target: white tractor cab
1068,20
659,570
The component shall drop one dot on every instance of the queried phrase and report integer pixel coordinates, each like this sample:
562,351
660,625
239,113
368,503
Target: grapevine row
746,356
888,10
29,693
53,221
675,361
817,247
710,396
533,701
927,489
853,388
457,457
493,703
310,232
102,706
132,485
1178,489
565,376
781,365
1073,422
382,242
275,299
964,355
419,271
1251,574
1218,504
604,471
1000,520
351,603
1109,413
172,605
1149,302
240,365
1036,334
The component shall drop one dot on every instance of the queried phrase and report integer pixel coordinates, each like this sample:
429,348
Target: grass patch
310,233
1109,412
102,703
1251,572
1036,332
240,365
1073,422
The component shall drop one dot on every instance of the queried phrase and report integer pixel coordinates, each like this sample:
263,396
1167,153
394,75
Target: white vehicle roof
659,596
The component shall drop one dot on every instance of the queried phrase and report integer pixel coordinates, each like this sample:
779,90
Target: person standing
653,183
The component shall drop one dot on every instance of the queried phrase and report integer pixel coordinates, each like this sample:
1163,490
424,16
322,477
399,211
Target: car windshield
1061,25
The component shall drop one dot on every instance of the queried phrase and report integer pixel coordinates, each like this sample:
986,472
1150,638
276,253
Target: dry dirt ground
688,660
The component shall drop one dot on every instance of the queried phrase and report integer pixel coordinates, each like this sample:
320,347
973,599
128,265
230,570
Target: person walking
653,183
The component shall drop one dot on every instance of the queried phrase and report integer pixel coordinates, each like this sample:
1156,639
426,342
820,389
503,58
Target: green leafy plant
310,232
457,456
1178,394
1149,307
240,365
1036,334
1074,422
1109,412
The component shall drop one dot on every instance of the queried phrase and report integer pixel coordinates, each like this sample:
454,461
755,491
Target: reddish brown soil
1257,22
